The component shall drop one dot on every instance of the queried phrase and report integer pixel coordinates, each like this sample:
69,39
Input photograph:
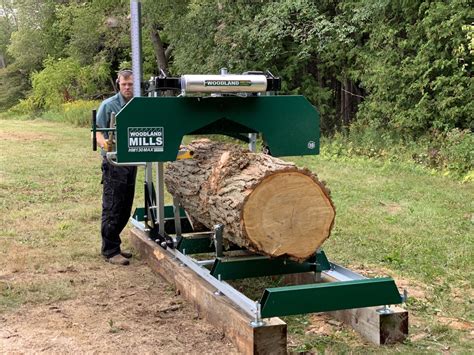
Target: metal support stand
218,292
218,240
384,310
149,189
257,322
317,273
317,276
405,296
177,217
136,41
160,198
253,142
152,88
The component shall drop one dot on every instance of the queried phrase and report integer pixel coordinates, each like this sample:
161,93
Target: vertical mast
136,39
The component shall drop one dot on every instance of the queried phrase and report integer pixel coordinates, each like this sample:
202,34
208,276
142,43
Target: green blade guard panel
151,129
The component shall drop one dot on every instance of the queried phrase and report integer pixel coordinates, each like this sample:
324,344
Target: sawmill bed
373,324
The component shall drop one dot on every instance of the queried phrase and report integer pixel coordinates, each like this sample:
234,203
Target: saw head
151,129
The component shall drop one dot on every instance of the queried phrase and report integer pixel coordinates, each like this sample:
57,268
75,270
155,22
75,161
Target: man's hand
103,142
107,146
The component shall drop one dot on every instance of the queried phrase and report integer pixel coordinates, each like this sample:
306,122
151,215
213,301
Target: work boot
126,254
118,260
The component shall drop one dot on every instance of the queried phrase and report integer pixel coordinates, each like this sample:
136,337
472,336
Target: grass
399,217
393,218
48,291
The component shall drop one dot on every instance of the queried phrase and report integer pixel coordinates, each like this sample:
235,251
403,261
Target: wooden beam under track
217,310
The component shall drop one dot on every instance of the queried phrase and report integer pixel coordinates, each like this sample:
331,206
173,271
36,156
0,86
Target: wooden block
217,310
377,328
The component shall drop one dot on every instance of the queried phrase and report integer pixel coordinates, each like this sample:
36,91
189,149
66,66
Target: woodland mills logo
145,139
227,83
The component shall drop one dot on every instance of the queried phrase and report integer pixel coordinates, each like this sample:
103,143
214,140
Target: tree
7,25
34,39
403,66
416,68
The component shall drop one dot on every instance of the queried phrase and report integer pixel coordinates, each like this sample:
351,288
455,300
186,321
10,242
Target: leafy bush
451,151
77,113
416,67
61,81
25,107
458,150
362,140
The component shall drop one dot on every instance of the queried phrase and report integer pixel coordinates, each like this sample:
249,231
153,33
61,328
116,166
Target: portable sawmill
149,131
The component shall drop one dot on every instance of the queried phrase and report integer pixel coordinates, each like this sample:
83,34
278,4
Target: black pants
117,200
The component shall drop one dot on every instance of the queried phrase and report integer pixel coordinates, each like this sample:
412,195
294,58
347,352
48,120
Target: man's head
125,83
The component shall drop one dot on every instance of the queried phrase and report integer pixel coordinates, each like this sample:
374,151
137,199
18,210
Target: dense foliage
372,67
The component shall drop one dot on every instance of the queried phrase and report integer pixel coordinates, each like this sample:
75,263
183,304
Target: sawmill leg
217,310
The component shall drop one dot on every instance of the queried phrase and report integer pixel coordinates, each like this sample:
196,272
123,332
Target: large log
266,204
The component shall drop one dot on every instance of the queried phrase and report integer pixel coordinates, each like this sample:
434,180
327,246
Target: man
118,181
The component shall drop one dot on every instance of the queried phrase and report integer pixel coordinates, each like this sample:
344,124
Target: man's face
126,87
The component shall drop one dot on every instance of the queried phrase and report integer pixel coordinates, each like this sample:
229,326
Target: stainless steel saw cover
223,83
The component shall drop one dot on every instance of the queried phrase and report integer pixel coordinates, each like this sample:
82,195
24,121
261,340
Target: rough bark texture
265,204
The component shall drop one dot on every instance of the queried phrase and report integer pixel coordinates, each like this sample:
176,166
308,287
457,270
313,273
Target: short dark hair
125,73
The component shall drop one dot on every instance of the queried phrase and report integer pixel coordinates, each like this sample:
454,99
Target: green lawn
392,218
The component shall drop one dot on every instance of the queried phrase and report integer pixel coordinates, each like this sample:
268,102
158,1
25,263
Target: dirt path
118,309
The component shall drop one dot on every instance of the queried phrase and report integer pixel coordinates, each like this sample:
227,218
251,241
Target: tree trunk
160,53
347,103
266,204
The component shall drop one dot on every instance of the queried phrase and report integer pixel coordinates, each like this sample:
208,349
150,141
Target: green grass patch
393,218
449,152
77,113
15,294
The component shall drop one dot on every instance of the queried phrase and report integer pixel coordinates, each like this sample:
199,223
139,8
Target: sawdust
118,309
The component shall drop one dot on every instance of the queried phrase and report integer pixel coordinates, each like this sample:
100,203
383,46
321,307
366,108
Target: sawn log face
265,204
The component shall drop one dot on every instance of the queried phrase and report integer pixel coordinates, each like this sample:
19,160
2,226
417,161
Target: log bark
266,204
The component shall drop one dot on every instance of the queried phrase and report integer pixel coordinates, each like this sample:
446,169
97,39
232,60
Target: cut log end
288,213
